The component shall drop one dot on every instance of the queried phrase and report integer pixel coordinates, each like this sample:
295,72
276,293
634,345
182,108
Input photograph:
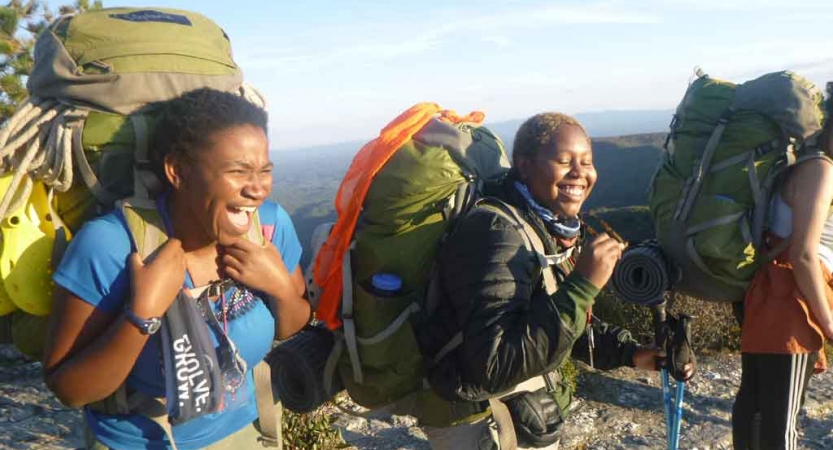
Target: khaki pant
479,435
245,438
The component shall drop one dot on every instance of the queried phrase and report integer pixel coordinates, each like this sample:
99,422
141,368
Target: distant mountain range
306,180
601,123
598,124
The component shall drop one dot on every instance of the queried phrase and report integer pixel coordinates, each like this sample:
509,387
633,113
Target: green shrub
714,326
570,373
312,431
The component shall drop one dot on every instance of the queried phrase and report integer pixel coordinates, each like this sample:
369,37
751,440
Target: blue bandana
565,227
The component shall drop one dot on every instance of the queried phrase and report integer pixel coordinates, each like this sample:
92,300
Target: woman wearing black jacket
513,330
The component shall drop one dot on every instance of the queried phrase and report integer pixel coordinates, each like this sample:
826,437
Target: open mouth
240,216
573,191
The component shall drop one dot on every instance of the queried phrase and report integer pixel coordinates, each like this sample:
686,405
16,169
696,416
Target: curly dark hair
538,131
186,125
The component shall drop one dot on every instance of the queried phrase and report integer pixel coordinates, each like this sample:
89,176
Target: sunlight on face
561,174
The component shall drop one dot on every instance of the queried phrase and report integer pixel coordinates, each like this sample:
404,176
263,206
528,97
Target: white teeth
572,190
248,209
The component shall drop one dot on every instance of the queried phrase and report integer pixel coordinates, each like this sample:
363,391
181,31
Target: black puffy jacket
512,330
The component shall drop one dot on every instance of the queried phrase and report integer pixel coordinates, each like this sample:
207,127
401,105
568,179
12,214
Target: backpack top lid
789,99
119,59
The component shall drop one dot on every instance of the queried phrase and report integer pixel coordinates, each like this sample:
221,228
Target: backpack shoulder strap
532,242
772,253
146,226
147,232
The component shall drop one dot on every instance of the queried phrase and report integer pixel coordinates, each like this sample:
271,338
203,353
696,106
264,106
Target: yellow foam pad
25,256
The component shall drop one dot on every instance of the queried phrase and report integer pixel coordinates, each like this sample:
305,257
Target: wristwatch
146,326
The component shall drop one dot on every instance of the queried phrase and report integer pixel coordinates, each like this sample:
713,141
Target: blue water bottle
385,284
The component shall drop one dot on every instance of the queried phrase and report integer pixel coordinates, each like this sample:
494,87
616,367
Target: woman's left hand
258,267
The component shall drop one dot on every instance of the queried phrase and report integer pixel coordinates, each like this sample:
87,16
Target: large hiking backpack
408,186
726,150
90,113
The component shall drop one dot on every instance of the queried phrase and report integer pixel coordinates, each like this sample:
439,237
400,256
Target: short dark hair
538,131
187,124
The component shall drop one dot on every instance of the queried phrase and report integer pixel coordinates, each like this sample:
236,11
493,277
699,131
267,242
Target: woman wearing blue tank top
211,151
787,308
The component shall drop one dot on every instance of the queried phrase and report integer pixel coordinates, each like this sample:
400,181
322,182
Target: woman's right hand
155,285
597,259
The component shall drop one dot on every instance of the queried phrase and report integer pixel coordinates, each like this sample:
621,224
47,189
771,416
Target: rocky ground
614,410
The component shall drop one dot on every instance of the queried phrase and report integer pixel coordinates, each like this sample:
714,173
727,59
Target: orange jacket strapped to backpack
351,194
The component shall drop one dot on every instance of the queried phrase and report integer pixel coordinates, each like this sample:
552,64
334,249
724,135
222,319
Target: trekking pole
669,412
678,335
678,414
673,414
661,336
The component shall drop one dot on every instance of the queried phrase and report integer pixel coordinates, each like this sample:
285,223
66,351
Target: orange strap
350,197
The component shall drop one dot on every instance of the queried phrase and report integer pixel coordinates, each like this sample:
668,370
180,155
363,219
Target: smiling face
217,193
560,175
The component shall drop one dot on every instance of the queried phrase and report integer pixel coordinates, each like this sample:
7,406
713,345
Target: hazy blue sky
338,70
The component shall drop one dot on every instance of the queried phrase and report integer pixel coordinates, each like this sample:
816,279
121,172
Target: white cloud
501,42
810,6
377,43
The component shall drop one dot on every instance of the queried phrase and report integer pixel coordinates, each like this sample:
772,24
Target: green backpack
727,147
84,133
408,211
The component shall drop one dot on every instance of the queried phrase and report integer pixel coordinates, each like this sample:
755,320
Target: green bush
714,326
312,431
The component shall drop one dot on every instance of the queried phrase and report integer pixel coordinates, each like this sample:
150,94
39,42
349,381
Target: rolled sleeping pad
643,275
298,369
